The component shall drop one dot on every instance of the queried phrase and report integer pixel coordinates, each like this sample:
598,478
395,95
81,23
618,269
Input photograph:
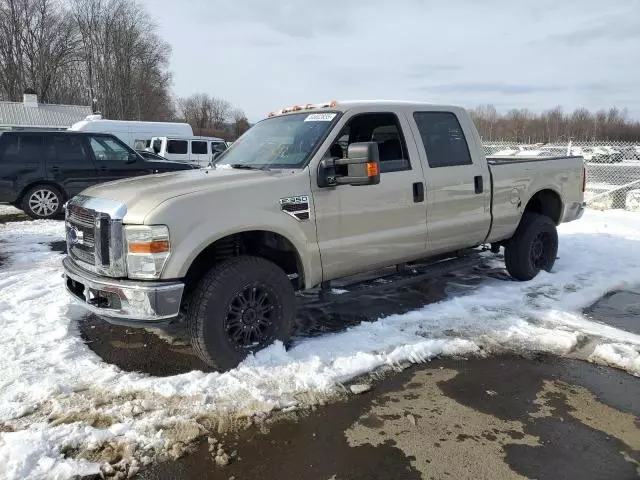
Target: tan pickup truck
306,196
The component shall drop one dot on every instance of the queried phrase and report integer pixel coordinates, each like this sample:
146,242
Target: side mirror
361,167
133,157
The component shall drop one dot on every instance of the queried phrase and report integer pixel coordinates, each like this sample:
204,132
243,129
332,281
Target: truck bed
505,159
516,179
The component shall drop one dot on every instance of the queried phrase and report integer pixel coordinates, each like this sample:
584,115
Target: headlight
148,249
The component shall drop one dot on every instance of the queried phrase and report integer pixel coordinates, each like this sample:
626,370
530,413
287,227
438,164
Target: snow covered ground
63,410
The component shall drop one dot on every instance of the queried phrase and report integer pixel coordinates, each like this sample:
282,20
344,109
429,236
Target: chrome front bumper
123,301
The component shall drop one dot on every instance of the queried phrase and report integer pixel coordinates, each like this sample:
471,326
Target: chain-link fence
613,168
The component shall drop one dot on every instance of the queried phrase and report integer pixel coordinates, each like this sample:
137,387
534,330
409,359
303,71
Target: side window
107,149
218,147
443,139
67,148
140,144
177,147
199,148
382,128
20,148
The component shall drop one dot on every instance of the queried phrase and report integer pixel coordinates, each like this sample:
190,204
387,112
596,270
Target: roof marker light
308,106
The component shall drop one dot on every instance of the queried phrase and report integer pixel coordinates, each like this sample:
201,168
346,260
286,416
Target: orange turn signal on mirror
157,246
373,169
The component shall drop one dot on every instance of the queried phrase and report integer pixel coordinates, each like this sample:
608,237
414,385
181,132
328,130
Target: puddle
619,309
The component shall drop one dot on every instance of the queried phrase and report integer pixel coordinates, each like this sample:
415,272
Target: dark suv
39,171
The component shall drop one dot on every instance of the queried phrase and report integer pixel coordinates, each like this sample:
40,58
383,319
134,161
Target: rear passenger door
69,163
458,183
177,150
21,163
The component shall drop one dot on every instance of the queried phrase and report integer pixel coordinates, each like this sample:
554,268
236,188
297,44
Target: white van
137,135
199,150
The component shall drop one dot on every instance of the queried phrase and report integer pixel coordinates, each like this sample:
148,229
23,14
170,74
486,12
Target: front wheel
532,248
42,201
240,306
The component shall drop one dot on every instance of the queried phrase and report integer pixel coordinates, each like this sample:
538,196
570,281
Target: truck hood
142,194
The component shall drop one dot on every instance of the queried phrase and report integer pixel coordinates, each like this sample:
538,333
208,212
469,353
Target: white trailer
137,135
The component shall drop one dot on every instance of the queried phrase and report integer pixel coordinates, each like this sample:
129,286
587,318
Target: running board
392,276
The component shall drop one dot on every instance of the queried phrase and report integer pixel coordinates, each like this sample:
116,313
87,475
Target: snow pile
57,396
9,210
618,355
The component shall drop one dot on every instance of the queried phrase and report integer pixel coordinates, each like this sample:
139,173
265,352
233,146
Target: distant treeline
522,125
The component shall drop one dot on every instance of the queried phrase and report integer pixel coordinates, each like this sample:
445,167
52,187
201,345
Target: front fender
193,228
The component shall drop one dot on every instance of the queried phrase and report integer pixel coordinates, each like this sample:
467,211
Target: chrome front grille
95,235
81,243
79,254
80,216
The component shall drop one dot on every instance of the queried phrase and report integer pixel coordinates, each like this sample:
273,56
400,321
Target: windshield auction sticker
320,117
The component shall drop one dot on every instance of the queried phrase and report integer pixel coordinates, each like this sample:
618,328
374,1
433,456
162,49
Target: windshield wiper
244,166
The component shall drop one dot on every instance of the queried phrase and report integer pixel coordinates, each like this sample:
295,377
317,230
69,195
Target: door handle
418,192
55,169
478,183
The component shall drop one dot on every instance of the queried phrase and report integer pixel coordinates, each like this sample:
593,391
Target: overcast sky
263,55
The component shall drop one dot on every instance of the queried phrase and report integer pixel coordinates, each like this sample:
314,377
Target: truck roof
344,105
367,103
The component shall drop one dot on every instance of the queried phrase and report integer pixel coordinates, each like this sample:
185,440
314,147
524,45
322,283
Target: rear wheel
241,306
42,201
532,248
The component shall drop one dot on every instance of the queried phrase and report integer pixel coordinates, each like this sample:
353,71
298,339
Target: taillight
584,179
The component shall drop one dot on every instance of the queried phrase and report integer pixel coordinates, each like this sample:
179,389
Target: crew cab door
360,228
457,180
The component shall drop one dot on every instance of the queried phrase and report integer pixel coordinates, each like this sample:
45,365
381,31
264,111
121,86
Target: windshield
279,142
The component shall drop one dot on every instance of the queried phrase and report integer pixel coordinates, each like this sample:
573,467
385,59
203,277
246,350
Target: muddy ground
506,417
539,417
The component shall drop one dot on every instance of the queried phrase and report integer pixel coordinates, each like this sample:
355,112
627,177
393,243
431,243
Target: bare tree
125,61
240,122
195,110
75,51
38,42
205,112
219,112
